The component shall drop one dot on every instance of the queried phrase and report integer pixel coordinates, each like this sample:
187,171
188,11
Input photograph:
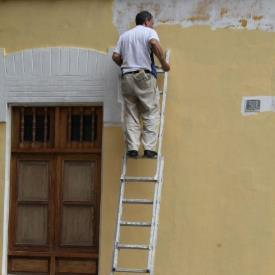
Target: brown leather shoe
150,154
132,154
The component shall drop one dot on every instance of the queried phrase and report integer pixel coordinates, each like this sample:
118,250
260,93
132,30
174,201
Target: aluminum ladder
157,180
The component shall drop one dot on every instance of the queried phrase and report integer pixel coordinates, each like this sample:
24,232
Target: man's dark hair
142,17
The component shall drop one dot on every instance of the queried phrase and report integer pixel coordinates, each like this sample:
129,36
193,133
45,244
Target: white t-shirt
134,48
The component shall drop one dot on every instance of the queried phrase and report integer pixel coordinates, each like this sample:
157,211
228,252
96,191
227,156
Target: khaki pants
141,101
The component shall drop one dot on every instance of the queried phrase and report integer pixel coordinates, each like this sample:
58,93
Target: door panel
65,266
79,181
77,226
32,266
31,225
30,211
33,180
78,193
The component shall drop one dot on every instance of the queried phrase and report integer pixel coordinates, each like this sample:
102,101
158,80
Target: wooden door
55,190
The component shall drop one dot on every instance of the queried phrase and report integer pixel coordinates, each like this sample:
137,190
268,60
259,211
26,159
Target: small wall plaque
252,105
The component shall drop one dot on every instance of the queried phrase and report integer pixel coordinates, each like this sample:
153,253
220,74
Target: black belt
135,72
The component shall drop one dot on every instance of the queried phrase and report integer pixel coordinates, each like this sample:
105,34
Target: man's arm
117,58
157,50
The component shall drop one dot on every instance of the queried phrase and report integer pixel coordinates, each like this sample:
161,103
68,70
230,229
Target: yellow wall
33,24
218,201
217,212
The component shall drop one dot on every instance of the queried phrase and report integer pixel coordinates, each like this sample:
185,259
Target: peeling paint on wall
239,14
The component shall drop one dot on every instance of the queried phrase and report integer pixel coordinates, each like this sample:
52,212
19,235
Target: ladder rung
133,246
142,157
139,179
138,224
137,201
130,270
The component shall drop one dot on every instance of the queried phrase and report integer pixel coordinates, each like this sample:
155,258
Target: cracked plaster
238,14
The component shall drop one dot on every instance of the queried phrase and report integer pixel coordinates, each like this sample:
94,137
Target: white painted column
6,195
3,107
112,96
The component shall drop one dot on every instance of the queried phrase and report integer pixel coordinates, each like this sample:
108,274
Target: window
61,127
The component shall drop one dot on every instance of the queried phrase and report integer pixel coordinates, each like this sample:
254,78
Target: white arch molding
60,76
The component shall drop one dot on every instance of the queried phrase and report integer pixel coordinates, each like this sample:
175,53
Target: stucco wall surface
238,14
34,24
218,211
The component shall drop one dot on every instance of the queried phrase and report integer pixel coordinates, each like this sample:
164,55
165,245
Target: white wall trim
60,76
6,194
2,91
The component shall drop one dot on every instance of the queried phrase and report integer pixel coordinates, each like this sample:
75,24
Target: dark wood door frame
57,142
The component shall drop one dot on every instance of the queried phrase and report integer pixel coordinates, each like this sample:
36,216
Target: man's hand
157,50
165,66
117,59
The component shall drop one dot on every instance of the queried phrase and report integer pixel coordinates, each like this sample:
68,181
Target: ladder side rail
124,165
152,253
155,215
159,174
165,85
117,232
162,112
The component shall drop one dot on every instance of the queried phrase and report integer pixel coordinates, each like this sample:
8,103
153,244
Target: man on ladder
134,54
